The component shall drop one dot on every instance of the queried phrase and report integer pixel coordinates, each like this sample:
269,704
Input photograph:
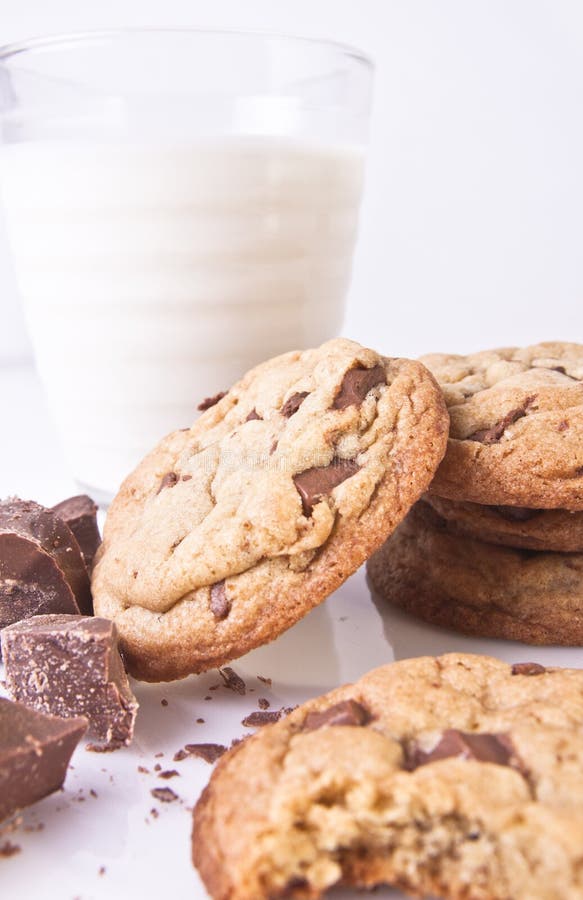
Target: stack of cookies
496,546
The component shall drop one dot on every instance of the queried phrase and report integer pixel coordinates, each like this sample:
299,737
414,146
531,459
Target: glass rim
63,39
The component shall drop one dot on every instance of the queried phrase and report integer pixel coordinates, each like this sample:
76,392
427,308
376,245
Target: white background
472,223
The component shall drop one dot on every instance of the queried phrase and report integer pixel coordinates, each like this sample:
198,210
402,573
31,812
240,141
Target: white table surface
110,845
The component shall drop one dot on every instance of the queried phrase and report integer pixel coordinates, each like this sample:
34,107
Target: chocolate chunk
516,513
70,666
528,668
347,712
41,566
313,484
167,481
293,403
356,384
35,750
492,435
254,415
164,794
80,514
219,602
563,425
211,401
209,752
491,748
232,681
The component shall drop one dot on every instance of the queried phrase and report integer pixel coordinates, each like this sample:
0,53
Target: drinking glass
180,206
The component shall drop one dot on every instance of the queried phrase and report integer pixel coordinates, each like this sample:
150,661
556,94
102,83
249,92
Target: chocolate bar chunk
35,750
71,666
41,566
80,514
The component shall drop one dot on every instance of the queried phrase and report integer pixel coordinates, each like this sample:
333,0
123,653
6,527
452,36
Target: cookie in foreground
230,531
516,426
427,568
457,777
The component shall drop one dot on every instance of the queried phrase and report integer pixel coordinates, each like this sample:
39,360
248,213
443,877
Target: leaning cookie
516,426
232,530
427,568
457,777
513,526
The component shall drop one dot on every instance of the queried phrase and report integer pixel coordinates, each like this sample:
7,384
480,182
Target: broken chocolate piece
232,681
528,668
516,513
80,514
164,794
253,415
35,750
293,403
356,384
209,752
492,435
491,748
313,484
211,401
41,566
347,712
168,480
219,602
70,666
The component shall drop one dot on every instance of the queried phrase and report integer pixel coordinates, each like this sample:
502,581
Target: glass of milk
180,205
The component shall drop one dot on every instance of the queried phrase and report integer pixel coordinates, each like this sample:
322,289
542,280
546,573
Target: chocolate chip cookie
458,776
516,435
427,568
514,526
232,530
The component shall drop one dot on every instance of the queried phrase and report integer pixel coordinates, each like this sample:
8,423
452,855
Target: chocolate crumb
209,752
154,812
208,697
200,721
263,703
157,767
93,793
163,702
168,773
102,870
164,794
232,681
9,849
528,668
267,681
259,718
158,755
211,401
180,755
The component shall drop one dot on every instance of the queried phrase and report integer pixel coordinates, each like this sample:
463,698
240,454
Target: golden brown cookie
513,526
516,435
457,777
232,530
427,568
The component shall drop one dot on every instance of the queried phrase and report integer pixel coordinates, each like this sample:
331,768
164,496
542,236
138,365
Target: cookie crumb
8,849
267,681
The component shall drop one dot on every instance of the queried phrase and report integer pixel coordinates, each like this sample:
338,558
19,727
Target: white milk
155,275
